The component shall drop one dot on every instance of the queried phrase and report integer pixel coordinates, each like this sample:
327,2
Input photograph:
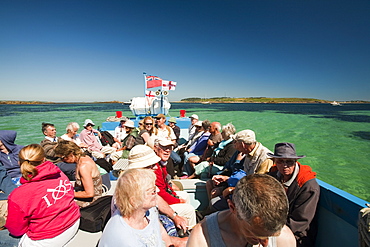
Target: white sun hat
142,156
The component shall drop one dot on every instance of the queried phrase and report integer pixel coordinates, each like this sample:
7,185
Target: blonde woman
148,132
42,209
88,186
135,222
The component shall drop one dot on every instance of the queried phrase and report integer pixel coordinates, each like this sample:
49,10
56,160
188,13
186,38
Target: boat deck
337,215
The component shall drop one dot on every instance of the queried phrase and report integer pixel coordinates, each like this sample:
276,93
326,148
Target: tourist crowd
256,196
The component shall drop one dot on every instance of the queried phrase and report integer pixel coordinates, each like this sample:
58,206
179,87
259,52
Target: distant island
261,100
196,100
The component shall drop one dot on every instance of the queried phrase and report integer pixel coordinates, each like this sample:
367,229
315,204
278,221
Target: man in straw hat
302,190
249,220
142,156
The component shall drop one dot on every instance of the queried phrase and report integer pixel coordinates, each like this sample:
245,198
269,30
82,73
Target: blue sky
66,51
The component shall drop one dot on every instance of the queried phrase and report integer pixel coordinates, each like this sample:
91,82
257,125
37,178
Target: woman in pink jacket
42,210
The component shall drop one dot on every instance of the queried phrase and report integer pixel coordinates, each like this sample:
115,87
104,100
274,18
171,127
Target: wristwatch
174,215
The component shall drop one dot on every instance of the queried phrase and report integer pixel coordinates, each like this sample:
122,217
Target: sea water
335,139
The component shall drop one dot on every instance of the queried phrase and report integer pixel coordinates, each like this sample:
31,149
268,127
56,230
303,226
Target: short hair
71,126
261,200
29,157
65,148
131,188
205,124
228,130
44,126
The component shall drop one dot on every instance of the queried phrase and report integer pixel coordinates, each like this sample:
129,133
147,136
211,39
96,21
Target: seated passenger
147,133
9,154
88,186
37,209
250,219
192,130
91,137
129,141
176,129
6,187
120,131
256,161
136,222
71,134
178,200
196,150
142,156
220,156
235,164
302,190
50,141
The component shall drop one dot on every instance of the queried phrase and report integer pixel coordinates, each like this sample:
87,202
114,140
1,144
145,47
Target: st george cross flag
153,81
168,85
149,93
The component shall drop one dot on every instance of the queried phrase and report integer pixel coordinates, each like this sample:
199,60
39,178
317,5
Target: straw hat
142,156
129,124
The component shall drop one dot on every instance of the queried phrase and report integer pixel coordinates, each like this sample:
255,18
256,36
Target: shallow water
336,140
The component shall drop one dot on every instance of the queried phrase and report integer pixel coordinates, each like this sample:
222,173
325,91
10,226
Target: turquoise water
336,140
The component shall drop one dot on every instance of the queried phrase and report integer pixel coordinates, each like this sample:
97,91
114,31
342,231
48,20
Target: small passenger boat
337,212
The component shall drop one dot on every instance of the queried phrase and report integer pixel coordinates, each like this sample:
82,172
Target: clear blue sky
98,50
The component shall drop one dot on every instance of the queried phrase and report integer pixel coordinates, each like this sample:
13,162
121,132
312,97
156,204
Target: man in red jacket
302,191
179,200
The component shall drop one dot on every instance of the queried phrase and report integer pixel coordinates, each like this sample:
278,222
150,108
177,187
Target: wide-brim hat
172,120
285,150
160,116
142,156
129,124
88,121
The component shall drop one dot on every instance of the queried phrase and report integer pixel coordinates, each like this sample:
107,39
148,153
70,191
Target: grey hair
205,124
71,126
261,200
228,130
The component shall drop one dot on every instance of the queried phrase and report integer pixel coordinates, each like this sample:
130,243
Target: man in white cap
120,130
194,118
178,200
129,141
142,156
256,159
91,137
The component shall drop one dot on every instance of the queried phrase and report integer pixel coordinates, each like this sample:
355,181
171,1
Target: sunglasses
148,123
288,162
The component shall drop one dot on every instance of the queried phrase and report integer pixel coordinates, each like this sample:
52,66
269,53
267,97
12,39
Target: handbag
95,216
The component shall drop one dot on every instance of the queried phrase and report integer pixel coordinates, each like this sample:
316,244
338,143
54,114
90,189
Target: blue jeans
175,157
8,241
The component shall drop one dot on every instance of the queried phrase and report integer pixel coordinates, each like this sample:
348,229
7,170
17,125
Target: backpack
106,138
95,216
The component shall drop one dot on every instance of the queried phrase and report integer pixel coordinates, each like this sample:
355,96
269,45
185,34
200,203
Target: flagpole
145,98
144,74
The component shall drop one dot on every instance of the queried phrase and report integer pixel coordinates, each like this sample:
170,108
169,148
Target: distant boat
206,102
127,102
334,103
